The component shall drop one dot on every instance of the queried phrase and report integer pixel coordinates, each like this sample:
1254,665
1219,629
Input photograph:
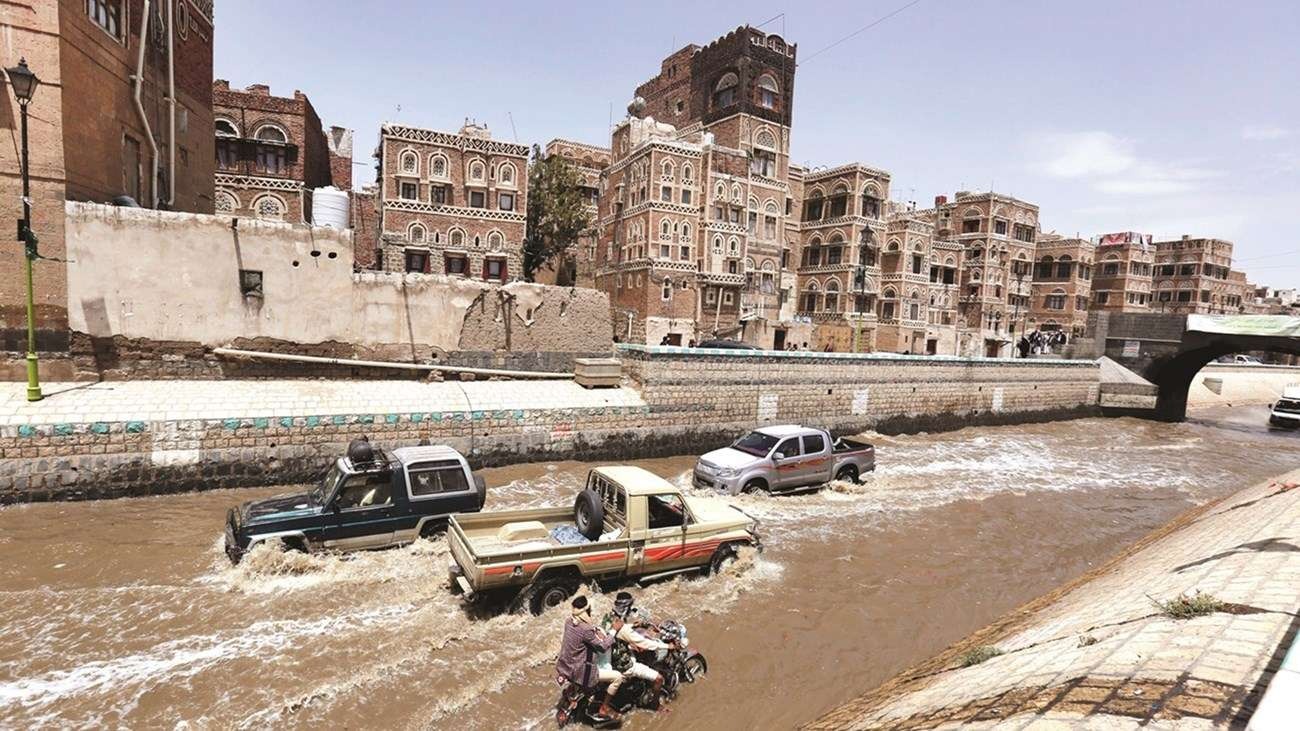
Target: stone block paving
1105,656
160,401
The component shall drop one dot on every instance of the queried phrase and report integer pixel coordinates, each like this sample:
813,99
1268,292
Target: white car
1286,410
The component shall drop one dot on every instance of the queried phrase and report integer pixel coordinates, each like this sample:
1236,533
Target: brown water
125,613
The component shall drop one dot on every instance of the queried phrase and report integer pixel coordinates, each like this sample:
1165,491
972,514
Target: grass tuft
1187,606
977,655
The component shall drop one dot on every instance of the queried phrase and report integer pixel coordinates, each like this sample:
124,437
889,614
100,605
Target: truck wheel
722,558
589,514
433,529
754,486
481,488
848,473
549,593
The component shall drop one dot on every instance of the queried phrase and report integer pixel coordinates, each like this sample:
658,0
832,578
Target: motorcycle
678,664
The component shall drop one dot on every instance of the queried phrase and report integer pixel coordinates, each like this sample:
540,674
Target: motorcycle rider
576,662
625,610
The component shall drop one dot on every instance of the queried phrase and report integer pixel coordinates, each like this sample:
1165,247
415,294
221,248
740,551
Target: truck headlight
727,472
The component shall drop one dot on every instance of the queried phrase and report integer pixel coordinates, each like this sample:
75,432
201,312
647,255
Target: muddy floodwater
126,613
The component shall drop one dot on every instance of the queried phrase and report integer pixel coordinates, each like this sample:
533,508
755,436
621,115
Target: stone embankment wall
150,293
108,440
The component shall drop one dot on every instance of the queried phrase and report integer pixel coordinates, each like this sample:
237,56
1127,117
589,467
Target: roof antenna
513,131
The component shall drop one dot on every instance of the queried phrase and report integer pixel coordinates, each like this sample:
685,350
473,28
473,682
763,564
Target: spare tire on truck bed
589,514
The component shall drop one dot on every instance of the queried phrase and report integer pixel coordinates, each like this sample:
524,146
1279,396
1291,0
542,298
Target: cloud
1110,164
1085,154
1264,132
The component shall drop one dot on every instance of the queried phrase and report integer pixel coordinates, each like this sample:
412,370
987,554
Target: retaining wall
676,401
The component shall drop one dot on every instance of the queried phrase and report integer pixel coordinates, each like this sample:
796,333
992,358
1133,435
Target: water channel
126,613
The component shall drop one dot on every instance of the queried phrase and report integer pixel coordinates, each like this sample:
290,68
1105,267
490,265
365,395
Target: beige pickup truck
626,524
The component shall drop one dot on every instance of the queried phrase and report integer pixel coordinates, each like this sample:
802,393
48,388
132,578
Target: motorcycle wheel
695,668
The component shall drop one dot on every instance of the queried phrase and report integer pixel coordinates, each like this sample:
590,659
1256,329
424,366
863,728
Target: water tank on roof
330,207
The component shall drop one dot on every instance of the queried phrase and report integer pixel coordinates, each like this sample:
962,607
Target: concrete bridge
1169,350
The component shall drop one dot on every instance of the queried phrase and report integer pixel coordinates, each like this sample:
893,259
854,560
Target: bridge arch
1173,374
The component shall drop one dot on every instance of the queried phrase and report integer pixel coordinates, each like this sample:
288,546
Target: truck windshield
327,485
1288,406
755,443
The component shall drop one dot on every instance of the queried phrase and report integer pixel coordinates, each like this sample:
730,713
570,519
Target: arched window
410,164
415,233
1063,267
226,202
811,297
665,230
724,92
667,289
269,208
888,305
456,238
720,191
494,241
768,91
737,195
438,166
225,128
686,233
687,173
733,246
871,201
764,138
717,244
271,133
476,170
506,174
832,302
666,170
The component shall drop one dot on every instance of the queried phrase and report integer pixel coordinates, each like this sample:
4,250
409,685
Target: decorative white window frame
257,203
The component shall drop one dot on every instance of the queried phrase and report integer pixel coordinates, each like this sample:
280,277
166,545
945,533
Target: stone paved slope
1101,654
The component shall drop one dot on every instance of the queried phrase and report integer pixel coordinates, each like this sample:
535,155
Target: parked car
626,524
782,459
1239,359
727,345
1286,410
368,499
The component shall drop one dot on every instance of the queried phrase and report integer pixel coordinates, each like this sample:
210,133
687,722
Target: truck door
786,456
815,462
666,526
361,514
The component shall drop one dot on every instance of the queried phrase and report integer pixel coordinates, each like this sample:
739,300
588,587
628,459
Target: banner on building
1281,326
1125,237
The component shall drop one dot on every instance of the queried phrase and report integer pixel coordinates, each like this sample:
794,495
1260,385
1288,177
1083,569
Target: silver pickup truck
783,459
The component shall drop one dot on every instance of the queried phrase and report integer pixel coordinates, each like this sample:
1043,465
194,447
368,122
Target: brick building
579,267
89,140
997,235
451,203
695,202
1062,284
841,230
1122,277
1191,276
271,153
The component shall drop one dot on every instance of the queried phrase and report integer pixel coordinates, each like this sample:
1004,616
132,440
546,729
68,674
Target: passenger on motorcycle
578,649
628,636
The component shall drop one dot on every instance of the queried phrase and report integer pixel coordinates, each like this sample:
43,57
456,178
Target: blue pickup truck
368,499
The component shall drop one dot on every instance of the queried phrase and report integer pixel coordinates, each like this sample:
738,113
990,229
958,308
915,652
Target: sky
1167,117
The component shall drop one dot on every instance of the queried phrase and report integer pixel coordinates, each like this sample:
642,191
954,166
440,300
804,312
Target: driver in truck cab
576,662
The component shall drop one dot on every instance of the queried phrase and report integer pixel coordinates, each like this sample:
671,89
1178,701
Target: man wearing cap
576,661
626,633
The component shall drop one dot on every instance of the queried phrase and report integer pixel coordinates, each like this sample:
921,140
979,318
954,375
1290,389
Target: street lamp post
24,83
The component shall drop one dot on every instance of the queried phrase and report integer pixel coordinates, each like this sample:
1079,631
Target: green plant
557,213
977,655
1186,606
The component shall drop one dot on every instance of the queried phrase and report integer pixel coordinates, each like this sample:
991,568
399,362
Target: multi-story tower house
905,263
997,235
272,153
1191,275
1063,271
578,268
1122,277
942,334
841,228
451,203
728,104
